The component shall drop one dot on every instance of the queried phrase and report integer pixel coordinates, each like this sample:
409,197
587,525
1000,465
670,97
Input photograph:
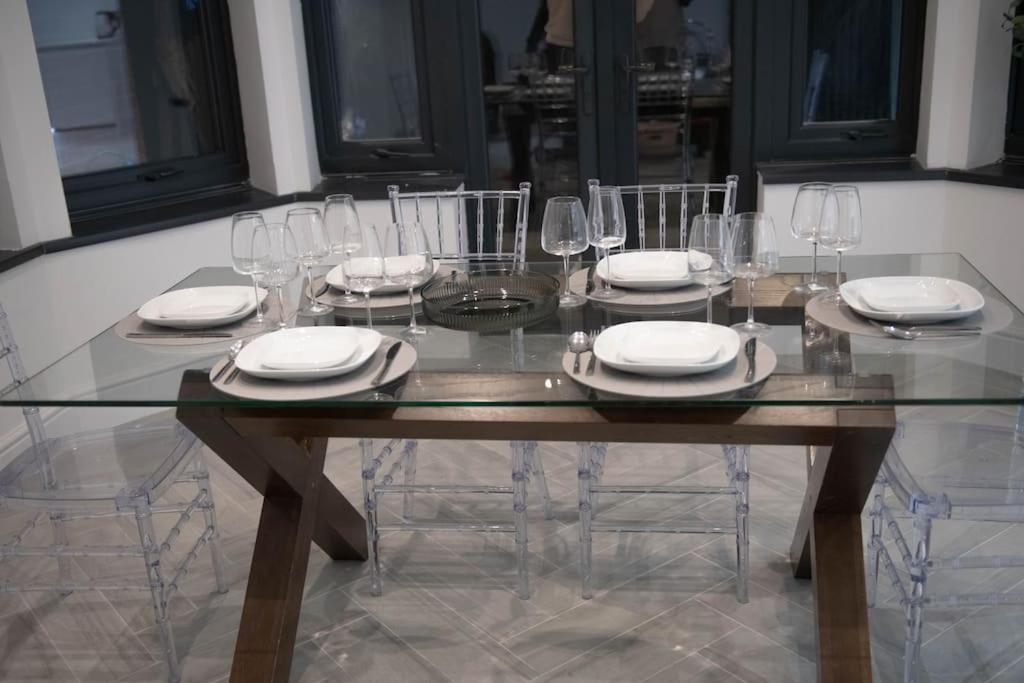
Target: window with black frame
1013,147
387,79
844,81
142,98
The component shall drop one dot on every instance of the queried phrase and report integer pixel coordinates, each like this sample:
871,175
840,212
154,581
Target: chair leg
409,456
151,555
370,508
535,465
210,516
741,482
60,537
519,476
915,608
584,475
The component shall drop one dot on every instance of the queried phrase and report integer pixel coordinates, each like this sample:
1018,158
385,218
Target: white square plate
968,299
302,340
200,307
610,344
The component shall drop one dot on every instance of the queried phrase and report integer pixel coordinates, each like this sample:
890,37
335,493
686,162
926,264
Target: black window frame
125,190
1013,144
782,135
451,114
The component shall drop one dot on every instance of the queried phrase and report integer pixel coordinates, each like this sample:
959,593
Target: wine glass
607,222
564,233
277,256
805,224
364,267
340,211
307,225
841,229
244,227
754,256
408,262
709,255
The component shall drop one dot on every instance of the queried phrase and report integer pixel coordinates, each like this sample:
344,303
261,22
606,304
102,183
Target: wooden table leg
277,577
828,543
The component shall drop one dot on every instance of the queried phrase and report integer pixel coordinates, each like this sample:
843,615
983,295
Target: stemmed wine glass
307,225
710,255
564,233
364,266
607,222
339,212
408,262
277,256
755,256
805,224
841,229
244,228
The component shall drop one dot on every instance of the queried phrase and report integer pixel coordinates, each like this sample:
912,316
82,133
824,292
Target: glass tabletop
523,367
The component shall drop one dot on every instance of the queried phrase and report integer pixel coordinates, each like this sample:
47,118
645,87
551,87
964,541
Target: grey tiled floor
664,607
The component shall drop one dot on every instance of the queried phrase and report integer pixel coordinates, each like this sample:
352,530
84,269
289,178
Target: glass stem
412,312
369,315
608,271
814,262
709,303
309,279
839,271
282,321
259,304
750,300
565,263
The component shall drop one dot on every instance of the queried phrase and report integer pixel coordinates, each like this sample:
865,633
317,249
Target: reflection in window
374,53
853,60
125,83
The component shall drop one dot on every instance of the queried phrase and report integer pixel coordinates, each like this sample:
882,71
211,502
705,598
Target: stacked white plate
667,348
199,307
652,270
308,353
336,276
911,298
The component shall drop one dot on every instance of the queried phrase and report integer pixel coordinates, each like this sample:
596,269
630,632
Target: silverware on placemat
578,343
179,335
927,331
233,352
592,363
750,349
389,358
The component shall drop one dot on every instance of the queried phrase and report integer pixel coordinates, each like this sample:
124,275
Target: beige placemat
639,297
335,297
993,317
355,382
722,381
246,327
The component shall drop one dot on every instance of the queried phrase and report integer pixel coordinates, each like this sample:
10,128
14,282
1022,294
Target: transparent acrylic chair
674,206
934,472
448,217
105,474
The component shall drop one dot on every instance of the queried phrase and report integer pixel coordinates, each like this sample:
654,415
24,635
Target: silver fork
233,352
592,363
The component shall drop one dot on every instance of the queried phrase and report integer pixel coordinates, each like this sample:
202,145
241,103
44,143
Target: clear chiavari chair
462,224
673,207
937,472
121,471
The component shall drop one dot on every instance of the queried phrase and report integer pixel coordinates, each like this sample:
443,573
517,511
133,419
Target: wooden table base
280,451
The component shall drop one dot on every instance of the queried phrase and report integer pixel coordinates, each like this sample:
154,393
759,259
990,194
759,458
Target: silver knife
179,335
389,358
751,351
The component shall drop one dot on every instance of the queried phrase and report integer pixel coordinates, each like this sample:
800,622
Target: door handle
639,67
572,69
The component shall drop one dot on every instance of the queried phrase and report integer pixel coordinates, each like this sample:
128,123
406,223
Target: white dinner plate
251,359
611,343
200,307
648,269
336,278
305,349
968,299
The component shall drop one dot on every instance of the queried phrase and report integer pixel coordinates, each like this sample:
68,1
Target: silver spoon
578,343
901,333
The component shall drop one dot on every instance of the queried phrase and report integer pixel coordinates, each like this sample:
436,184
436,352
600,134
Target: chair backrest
18,378
448,215
675,205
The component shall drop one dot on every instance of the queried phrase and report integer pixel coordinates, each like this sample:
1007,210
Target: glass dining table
510,385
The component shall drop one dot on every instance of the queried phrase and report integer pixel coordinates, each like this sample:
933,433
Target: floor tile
752,657
27,654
